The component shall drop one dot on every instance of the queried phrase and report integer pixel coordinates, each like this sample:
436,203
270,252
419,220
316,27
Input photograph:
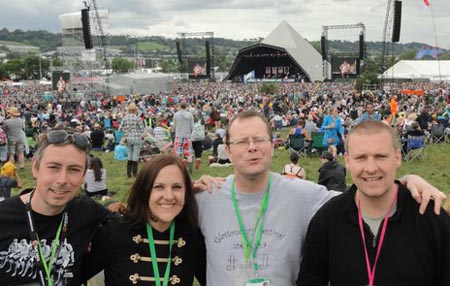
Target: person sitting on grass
293,170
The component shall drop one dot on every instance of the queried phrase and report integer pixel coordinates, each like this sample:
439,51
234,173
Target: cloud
236,19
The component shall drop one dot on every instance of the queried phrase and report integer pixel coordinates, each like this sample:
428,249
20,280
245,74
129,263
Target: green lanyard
246,243
48,267
151,245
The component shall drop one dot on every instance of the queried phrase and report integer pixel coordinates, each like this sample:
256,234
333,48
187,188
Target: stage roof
285,39
303,52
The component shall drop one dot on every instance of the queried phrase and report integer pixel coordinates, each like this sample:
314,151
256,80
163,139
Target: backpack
3,137
198,134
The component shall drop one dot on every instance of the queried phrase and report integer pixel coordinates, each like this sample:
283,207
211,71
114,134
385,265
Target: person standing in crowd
183,124
215,118
375,227
50,216
197,137
133,130
95,179
331,173
13,127
161,215
370,114
3,144
332,125
254,198
97,137
293,170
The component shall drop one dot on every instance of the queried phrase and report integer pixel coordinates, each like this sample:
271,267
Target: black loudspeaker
323,48
208,59
397,21
180,58
362,49
86,28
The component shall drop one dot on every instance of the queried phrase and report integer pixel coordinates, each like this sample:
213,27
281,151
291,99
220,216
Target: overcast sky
239,19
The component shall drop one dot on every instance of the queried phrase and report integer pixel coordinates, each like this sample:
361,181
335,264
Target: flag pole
436,42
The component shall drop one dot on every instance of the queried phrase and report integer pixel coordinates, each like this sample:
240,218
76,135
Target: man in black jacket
331,174
373,234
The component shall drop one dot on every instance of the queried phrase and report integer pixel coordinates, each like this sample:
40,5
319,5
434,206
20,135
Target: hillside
160,46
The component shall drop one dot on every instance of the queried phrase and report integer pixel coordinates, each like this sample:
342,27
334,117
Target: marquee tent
419,70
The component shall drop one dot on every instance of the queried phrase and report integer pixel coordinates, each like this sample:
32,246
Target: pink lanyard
371,272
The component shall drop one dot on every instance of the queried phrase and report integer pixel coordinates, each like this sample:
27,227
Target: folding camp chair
415,148
437,133
118,136
317,142
297,144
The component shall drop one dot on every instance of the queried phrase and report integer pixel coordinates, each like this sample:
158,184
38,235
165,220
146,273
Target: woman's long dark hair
138,211
96,165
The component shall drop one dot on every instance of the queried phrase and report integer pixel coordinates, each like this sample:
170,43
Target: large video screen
61,81
345,67
196,67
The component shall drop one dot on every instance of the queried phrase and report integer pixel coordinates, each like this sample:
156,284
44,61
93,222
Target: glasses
245,142
60,136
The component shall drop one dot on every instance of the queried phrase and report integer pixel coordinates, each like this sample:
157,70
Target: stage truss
203,35
78,60
326,66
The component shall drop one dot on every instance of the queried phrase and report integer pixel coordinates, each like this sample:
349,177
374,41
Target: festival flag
427,3
249,76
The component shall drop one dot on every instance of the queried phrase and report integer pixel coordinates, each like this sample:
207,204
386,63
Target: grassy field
435,168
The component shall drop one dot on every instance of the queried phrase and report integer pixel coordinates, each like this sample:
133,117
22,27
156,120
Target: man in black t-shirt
45,232
97,137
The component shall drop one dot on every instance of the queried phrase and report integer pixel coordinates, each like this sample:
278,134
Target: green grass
12,43
435,169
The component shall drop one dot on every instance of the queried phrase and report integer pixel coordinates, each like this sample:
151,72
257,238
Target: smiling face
252,160
59,176
372,162
167,197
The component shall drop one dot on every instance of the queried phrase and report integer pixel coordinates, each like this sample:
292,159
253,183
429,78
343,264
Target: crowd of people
253,227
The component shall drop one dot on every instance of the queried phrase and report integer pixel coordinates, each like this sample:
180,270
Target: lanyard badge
371,268
151,245
250,267
44,265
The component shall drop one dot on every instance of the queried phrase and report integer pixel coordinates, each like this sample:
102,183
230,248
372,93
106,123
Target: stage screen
196,68
344,67
61,81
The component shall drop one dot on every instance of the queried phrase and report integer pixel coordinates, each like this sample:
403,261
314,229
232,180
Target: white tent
422,70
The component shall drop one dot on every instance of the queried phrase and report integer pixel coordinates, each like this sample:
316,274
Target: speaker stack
362,47
180,58
208,59
323,48
397,21
86,28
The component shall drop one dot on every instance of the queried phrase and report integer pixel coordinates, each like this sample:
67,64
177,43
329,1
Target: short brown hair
43,143
373,127
246,115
